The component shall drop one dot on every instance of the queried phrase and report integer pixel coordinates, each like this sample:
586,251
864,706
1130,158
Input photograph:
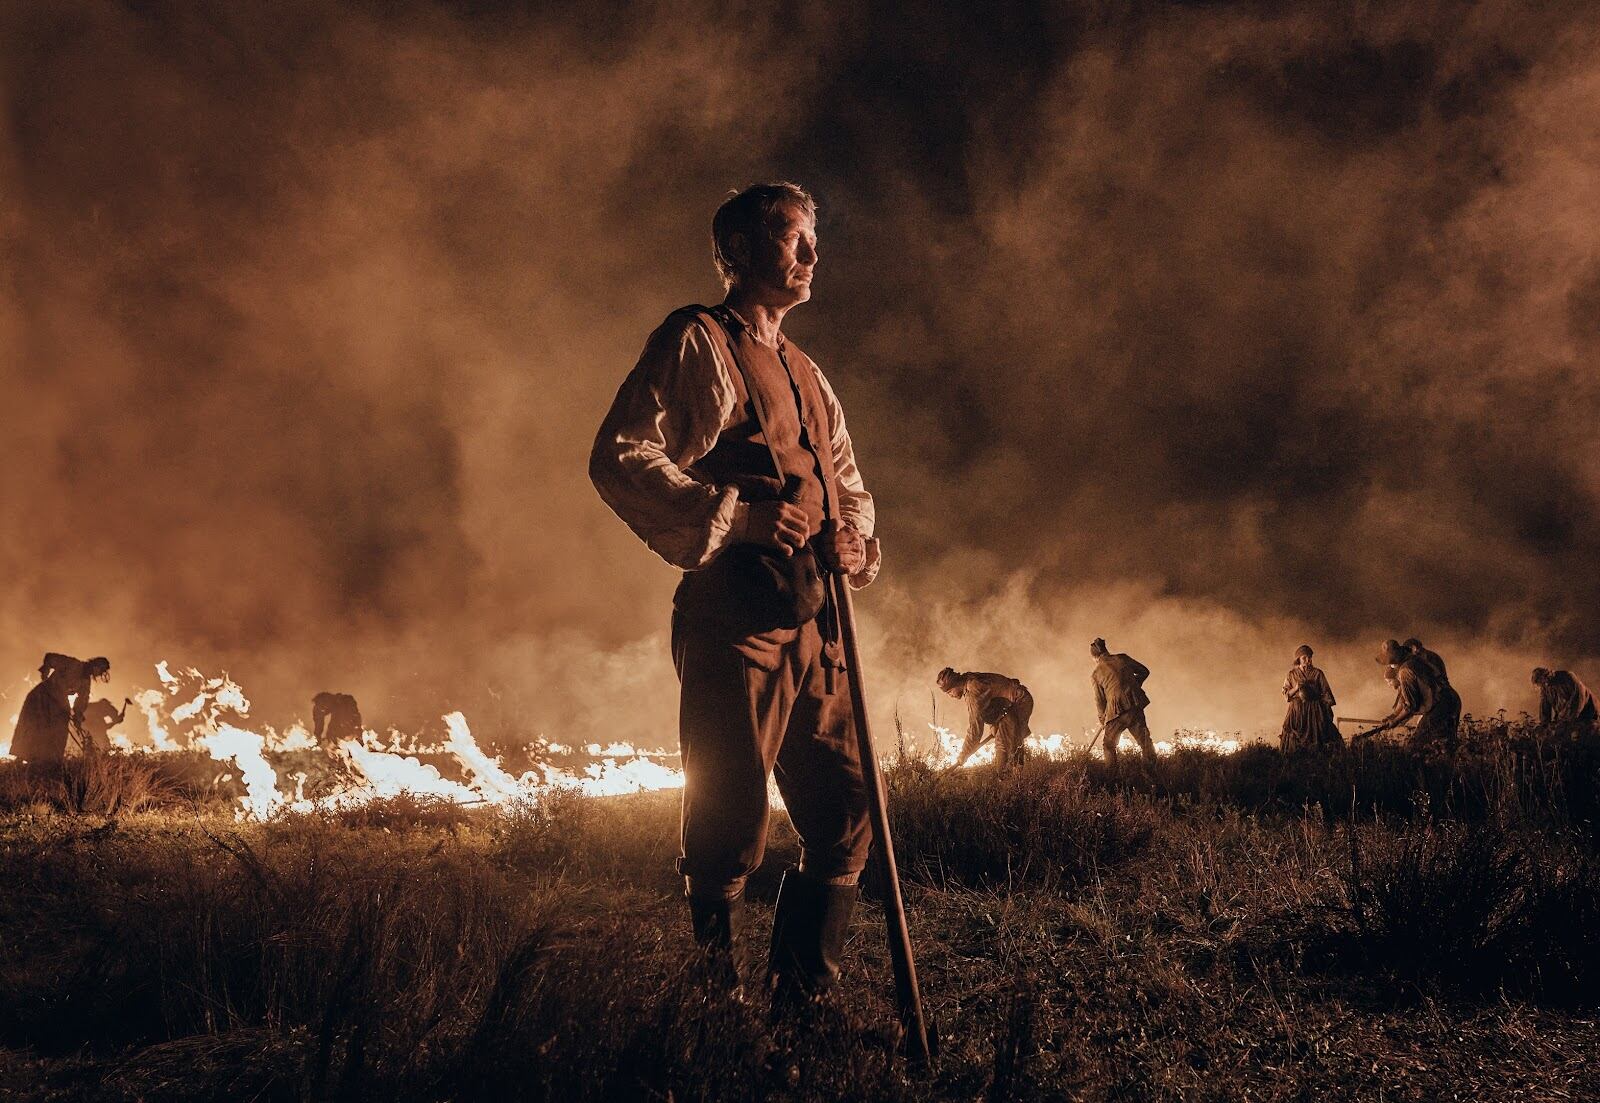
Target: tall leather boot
717,923
809,928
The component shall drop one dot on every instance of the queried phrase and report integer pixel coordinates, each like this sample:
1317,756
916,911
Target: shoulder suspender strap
721,325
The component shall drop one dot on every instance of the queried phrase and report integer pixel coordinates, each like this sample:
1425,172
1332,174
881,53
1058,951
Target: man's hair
947,678
1540,674
1098,647
1303,649
747,213
1412,644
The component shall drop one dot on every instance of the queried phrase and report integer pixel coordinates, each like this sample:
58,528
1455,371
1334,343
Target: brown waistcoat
790,402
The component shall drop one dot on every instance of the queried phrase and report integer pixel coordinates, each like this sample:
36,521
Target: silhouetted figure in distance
1424,693
1563,698
1120,698
98,720
335,717
1308,724
53,710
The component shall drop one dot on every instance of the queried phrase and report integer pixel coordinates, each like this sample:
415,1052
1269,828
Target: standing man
726,452
1119,695
1424,693
1563,699
1000,704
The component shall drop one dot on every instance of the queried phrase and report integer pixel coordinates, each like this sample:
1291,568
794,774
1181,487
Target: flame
150,702
294,738
243,749
1059,745
189,711
210,713
494,783
610,778
1192,740
389,775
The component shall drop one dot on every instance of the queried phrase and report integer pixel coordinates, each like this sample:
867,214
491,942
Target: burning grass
1207,927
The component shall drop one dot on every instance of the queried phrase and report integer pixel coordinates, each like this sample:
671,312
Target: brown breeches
1012,732
738,723
1133,723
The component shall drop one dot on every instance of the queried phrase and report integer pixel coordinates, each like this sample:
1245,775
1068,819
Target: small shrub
541,833
404,811
101,785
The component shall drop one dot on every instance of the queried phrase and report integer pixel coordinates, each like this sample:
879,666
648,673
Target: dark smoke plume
1211,329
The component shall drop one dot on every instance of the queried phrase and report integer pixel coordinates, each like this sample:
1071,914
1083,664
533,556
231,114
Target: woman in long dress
54,708
1309,721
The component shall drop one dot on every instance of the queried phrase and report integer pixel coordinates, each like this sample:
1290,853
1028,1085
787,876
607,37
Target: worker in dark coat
1120,699
335,717
998,708
1308,724
53,710
1563,699
1423,693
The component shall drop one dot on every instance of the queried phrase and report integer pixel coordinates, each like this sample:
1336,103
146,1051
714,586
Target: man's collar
748,327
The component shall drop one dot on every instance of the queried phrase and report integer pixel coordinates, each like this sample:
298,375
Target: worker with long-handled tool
52,712
726,452
1424,693
1120,699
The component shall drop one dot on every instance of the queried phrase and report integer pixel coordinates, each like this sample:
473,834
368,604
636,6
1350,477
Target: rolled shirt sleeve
855,503
667,416
1410,699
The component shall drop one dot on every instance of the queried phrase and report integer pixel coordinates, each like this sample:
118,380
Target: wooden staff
907,994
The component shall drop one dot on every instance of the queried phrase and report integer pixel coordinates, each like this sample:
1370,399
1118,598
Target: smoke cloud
1208,329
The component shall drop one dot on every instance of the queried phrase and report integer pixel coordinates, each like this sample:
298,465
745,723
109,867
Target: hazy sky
1203,328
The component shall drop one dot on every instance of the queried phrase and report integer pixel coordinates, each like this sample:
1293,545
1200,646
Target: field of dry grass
1207,928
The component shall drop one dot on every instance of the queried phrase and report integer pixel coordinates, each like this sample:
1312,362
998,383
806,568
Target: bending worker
1563,698
998,708
53,710
1424,693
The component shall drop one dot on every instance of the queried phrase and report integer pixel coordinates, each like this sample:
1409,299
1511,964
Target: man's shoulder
1415,667
683,319
688,334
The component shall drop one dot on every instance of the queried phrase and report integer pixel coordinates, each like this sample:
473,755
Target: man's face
783,259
